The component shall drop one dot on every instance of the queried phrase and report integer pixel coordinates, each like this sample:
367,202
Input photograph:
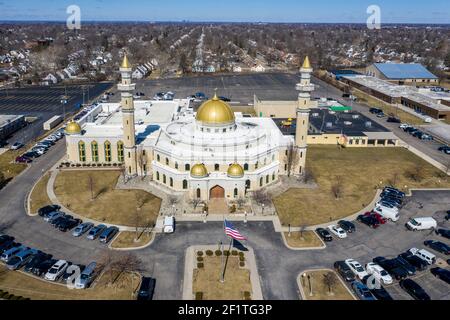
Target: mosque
209,153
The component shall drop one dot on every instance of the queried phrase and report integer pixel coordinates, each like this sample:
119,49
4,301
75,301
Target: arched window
167,161
185,184
120,157
267,179
82,151
187,167
157,175
164,179
246,167
176,165
273,176
256,166
261,181
158,158
247,184
216,167
107,151
94,151
199,194
171,182
235,192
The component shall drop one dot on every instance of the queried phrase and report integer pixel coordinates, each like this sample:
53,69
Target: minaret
129,139
303,108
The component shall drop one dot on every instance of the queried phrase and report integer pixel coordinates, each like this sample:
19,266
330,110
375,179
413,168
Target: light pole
64,100
262,208
289,233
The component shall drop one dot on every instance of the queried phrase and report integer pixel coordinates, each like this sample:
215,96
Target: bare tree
337,187
142,161
330,281
107,263
195,202
308,176
292,159
302,230
240,202
127,262
416,173
261,198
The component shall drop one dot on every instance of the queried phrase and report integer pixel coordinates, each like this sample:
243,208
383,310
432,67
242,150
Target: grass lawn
387,108
29,287
206,279
361,170
39,197
104,203
321,290
308,240
126,240
7,165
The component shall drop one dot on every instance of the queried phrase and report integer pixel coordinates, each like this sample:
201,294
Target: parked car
338,231
324,234
108,234
418,224
368,220
8,245
347,226
17,146
443,233
6,255
31,155
393,190
82,229
405,265
86,277
438,246
379,292
344,270
146,289
378,273
415,261
442,274
356,268
56,270
61,219
69,224
393,120
53,215
444,149
391,266
424,255
41,268
388,213
95,232
44,211
22,159
19,260
37,259
361,291
414,290
380,219
67,274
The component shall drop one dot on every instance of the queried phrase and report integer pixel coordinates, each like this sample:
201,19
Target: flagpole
222,278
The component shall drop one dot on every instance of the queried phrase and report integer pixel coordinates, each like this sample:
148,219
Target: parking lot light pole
64,100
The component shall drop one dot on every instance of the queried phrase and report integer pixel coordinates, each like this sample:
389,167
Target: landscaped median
205,279
322,285
129,240
303,240
347,180
39,197
92,194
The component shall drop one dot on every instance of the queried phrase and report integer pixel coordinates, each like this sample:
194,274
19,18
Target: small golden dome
199,171
306,64
73,128
125,63
235,171
215,112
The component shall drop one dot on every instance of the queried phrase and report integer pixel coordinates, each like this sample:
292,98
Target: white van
424,255
388,213
169,224
425,223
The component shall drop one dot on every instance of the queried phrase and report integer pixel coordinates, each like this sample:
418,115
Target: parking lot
44,102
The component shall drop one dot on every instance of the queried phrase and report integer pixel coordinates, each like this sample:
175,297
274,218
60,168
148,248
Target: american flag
232,231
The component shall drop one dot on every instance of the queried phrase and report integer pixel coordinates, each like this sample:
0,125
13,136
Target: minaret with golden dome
129,134
305,87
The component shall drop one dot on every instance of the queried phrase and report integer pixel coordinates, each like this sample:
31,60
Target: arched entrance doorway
217,192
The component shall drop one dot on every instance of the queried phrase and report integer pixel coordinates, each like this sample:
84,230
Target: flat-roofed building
402,73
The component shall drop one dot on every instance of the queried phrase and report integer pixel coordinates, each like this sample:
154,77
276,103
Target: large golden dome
199,171
215,112
73,128
235,171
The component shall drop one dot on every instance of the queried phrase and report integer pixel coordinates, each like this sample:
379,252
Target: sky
313,11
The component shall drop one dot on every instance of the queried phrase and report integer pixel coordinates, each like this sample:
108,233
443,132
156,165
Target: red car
379,217
23,160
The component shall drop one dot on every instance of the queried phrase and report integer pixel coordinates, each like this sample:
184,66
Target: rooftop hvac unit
355,116
368,124
348,123
329,124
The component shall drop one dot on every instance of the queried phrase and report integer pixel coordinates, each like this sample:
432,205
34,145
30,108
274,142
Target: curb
324,246
153,235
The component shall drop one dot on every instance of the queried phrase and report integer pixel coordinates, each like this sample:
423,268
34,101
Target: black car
414,290
41,268
47,209
69,224
61,220
415,261
347,226
324,234
443,233
392,266
375,110
343,269
146,289
442,274
31,155
393,119
368,220
224,99
444,149
394,191
8,245
406,265
438,246
36,260
4,238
